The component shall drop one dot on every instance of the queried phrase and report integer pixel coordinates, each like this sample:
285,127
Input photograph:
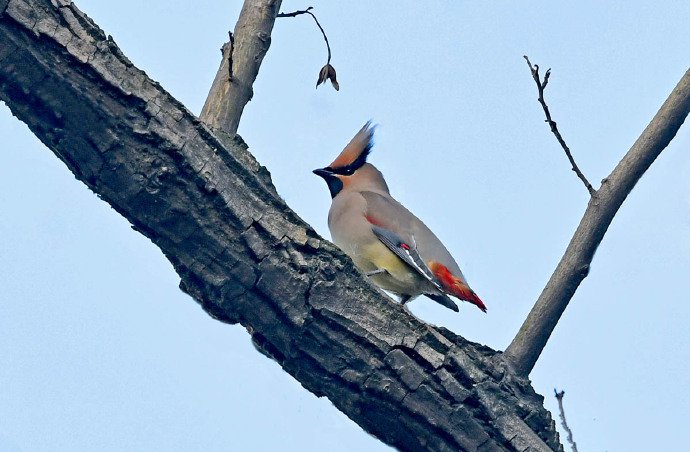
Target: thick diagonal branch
239,67
528,344
541,86
244,255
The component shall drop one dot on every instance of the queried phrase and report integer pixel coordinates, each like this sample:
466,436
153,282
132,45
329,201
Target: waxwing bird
384,239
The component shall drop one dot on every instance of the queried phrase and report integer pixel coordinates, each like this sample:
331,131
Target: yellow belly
398,276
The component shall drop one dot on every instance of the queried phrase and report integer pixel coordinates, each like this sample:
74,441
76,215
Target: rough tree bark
244,255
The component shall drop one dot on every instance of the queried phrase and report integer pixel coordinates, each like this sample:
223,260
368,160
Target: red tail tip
475,300
455,286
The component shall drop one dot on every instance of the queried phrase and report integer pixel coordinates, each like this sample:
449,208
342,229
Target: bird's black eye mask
343,170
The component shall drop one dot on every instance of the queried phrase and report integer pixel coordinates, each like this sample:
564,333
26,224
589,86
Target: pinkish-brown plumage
384,239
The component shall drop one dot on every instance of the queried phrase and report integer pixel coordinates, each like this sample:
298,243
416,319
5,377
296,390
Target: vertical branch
529,342
242,57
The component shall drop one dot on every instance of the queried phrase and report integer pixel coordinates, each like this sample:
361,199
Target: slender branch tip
296,13
541,86
327,67
564,423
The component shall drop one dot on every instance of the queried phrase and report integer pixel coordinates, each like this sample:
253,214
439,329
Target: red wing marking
454,285
373,220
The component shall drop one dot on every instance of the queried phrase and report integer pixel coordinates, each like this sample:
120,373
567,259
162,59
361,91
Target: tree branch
564,423
323,33
245,256
528,344
228,51
327,72
541,86
242,57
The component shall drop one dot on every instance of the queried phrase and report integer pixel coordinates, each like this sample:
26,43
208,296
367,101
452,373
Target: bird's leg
378,271
404,298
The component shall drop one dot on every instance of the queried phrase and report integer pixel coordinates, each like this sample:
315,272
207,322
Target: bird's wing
427,253
390,223
386,212
407,252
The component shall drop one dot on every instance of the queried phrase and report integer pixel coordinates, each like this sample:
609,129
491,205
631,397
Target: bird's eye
348,171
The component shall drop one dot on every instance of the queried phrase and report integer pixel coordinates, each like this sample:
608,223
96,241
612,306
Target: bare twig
229,49
529,342
327,72
308,11
564,423
299,12
541,86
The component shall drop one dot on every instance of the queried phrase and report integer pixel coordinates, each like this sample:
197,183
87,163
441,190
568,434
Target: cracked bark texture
244,256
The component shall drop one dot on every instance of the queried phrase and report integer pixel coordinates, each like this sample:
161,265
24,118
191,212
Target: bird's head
350,168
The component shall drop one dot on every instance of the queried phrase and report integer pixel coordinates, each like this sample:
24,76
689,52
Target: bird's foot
378,271
404,299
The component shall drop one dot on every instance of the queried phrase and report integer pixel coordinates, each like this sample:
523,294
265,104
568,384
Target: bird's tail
444,300
455,286
463,292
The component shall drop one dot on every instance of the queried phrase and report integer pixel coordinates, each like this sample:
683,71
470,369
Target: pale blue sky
100,350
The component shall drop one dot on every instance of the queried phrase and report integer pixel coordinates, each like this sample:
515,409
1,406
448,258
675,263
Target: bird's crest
355,153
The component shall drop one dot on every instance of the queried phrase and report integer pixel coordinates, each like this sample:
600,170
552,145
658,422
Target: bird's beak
332,180
322,172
